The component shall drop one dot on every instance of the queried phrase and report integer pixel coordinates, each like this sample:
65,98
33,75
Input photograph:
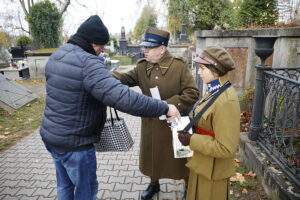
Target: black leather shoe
151,190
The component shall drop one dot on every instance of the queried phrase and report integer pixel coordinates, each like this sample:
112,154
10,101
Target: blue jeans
76,174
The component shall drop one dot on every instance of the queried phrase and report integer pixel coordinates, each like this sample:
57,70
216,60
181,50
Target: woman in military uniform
216,133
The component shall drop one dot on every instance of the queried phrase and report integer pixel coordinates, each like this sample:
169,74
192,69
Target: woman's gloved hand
184,138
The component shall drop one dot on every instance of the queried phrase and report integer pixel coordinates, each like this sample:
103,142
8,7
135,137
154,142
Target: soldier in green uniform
176,86
216,134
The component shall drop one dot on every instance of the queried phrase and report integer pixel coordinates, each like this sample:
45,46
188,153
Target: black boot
151,190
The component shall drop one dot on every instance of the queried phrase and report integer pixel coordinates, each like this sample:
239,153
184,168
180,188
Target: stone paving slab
27,172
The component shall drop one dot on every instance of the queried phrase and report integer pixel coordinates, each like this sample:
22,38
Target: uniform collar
213,85
223,79
163,64
216,84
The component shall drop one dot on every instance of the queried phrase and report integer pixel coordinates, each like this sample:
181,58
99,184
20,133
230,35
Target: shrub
24,40
205,15
247,98
44,21
258,13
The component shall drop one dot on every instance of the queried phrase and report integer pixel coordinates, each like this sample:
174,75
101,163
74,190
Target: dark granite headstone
19,51
123,42
183,36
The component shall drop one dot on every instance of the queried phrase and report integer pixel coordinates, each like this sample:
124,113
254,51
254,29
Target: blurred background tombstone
18,68
4,56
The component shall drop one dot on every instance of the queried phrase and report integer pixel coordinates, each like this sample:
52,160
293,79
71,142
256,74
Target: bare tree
13,18
26,5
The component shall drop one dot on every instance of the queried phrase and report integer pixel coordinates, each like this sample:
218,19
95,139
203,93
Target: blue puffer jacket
78,89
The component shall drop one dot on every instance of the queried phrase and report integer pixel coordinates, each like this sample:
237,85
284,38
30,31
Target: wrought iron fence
280,136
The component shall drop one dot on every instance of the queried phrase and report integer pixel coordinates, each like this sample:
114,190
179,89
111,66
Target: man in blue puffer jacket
79,87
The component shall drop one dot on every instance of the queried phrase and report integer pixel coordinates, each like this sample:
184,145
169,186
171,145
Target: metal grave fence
280,134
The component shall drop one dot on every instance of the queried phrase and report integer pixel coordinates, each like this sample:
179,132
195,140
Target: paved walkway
27,172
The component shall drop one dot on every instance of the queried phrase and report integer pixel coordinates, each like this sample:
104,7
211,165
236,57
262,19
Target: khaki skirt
200,188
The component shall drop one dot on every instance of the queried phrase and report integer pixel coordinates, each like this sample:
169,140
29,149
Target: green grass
4,66
16,125
124,60
251,185
44,50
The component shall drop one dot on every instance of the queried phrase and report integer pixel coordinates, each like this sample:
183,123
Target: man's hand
184,138
173,112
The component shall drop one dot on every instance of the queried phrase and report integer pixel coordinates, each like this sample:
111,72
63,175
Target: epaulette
182,59
141,60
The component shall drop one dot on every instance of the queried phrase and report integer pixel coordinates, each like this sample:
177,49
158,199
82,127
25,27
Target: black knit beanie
93,30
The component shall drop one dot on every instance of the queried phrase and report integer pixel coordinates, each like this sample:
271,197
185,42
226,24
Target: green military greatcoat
176,86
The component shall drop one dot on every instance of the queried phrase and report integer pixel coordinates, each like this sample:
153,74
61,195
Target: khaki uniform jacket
213,156
176,86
